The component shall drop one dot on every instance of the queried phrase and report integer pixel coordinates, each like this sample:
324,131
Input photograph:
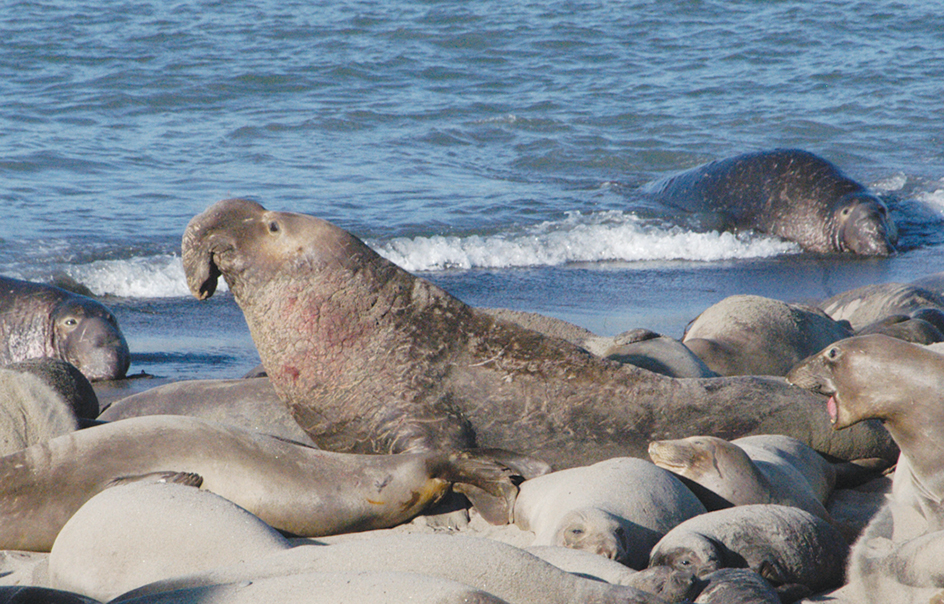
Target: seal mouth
832,408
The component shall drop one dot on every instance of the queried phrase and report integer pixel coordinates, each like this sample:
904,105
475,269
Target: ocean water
495,148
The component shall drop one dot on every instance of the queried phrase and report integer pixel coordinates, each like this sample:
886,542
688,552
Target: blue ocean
496,148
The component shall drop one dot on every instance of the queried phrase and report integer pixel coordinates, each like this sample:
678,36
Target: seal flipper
189,479
491,486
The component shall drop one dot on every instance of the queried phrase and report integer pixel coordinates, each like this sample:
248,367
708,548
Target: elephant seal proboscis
744,474
618,508
754,335
790,193
297,489
785,545
374,359
38,320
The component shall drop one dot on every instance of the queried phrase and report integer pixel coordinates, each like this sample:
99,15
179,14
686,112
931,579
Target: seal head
863,226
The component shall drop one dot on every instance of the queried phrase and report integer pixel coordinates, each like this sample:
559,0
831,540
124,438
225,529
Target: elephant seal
371,358
250,404
744,474
788,193
163,528
41,399
618,508
785,545
296,489
31,594
737,586
639,347
753,335
39,320
902,384
871,303
507,572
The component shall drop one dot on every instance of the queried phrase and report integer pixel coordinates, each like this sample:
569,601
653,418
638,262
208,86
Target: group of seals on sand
371,359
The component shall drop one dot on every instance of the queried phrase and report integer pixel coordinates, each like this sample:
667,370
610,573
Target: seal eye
274,227
832,354
71,322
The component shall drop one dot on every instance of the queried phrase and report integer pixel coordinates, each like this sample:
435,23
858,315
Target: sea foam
602,237
579,238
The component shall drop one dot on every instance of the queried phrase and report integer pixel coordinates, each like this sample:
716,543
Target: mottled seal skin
39,320
371,358
754,335
617,508
784,544
742,473
789,193
297,489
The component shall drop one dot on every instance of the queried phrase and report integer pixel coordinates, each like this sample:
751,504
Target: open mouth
832,407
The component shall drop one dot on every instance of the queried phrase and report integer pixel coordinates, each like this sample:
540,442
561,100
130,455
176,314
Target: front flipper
491,486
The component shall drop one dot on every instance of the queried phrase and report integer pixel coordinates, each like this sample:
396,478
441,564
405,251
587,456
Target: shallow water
497,149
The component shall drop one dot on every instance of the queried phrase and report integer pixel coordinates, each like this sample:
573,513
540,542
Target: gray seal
297,489
754,335
785,545
790,193
371,358
39,320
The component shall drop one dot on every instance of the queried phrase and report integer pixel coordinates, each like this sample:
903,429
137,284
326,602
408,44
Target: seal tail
490,486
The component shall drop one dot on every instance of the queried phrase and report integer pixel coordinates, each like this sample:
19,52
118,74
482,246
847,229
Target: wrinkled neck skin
26,332
346,344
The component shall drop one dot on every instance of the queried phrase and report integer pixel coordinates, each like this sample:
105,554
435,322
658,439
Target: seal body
294,488
744,473
39,320
371,358
789,193
754,335
876,376
618,508
784,544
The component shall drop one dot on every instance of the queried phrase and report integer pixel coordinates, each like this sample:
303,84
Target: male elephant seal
294,488
39,320
789,193
374,359
902,384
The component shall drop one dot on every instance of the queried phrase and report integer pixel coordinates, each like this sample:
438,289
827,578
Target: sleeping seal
789,193
294,488
371,358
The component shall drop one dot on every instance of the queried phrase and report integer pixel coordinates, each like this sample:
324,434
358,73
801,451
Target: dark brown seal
39,320
372,358
790,193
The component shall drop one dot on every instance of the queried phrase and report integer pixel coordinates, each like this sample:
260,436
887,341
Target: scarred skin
39,320
790,193
371,358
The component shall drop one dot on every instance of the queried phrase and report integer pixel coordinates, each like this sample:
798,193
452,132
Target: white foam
140,277
600,237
